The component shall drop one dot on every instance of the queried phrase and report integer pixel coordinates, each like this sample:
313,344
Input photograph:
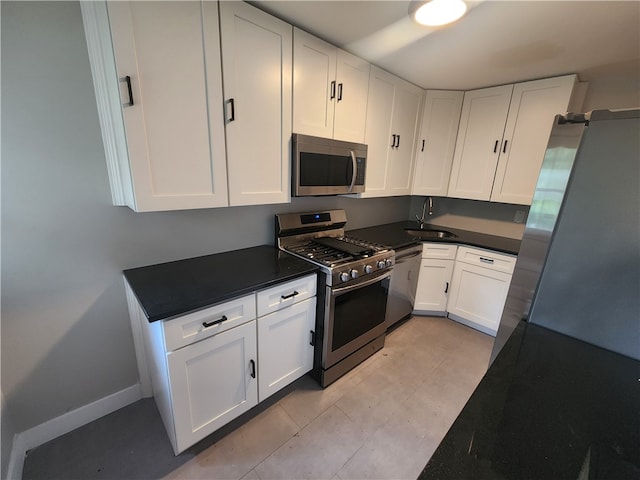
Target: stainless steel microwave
322,166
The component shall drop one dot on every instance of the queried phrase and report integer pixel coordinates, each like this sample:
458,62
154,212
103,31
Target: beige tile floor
383,420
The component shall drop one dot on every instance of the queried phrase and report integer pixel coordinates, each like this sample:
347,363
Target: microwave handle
353,162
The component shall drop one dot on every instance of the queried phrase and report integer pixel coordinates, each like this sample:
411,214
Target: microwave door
324,174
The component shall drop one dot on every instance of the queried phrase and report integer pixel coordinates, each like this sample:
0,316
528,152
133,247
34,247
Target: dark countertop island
549,407
395,236
174,288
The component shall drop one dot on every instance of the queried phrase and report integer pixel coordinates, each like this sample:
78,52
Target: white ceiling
497,42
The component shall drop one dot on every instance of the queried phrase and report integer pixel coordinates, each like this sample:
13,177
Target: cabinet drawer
191,328
442,251
500,262
285,294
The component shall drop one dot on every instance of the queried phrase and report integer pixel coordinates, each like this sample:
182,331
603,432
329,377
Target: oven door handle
355,166
339,291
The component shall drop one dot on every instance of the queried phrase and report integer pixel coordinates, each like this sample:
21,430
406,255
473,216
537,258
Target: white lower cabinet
285,350
479,288
467,284
210,366
434,281
212,382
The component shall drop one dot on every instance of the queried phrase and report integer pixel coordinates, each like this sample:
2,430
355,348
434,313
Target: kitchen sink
429,233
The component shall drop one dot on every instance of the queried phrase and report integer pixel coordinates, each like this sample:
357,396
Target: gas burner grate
321,253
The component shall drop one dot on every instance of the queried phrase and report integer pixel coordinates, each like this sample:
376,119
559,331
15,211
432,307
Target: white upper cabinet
257,75
156,69
533,108
502,138
436,142
329,90
478,143
392,117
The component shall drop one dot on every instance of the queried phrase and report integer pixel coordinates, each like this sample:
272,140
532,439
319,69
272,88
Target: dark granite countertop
174,288
394,236
549,407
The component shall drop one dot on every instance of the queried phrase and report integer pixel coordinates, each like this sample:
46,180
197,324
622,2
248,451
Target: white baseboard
25,441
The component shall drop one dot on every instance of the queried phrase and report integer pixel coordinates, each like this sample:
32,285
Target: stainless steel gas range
350,322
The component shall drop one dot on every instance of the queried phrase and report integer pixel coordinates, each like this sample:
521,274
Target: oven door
354,316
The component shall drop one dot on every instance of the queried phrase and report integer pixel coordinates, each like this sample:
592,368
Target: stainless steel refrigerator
578,269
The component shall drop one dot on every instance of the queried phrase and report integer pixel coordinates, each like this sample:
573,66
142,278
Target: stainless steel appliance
404,283
578,269
322,166
350,321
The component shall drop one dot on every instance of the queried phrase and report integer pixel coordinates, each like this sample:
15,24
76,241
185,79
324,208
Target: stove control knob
368,269
381,264
389,262
344,276
354,273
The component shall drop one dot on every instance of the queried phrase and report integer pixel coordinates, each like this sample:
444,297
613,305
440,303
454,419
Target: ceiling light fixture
435,13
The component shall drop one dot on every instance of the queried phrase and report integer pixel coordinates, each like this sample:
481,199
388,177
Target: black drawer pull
333,90
232,103
313,338
504,148
446,288
422,149
253,368
486,260
339,92
215,322
127,80
291,295
495,147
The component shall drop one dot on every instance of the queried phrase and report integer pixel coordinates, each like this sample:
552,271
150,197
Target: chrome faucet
421,220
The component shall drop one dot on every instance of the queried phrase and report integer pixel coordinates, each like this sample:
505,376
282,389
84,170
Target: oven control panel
358,271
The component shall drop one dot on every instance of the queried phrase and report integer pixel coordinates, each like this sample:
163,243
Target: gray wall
66,337
484,217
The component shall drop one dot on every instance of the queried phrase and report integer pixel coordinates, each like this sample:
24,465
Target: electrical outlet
519,216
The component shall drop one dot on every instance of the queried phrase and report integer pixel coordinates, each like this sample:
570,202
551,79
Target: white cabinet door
378,131
392,117
285,351
257,76
482,123
436,142
167,57
434,284
533,108
314,85
329,90
212,382
352,88
405,121
477,296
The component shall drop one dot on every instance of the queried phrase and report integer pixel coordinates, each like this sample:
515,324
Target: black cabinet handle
215,322
127,80
339,91
333,90
312,342
495,147
446,288
291,295
393,143
253,368
504,148
398,145
232,104
486,260
422,150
